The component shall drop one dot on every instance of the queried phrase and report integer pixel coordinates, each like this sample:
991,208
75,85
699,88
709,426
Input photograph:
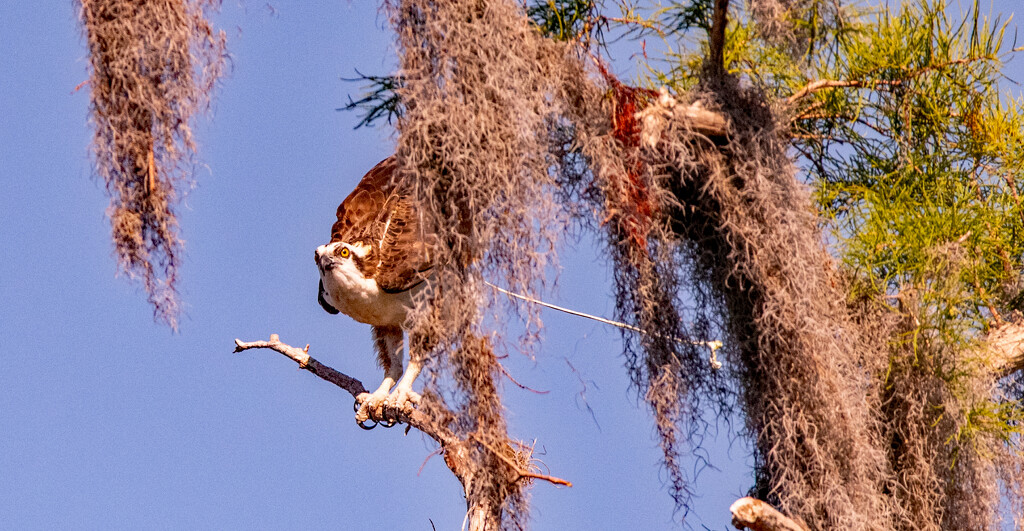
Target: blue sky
109,421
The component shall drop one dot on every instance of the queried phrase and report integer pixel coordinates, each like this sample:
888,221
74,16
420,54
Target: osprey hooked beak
324,257
319,256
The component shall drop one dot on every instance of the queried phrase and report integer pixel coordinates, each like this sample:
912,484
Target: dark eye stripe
360,264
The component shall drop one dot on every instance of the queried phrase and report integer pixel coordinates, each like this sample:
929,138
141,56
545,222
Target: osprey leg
388,343
403,393
419,345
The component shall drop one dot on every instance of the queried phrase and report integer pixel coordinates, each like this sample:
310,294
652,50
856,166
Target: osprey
378,260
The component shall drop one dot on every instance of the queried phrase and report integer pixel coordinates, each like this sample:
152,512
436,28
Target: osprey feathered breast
378,258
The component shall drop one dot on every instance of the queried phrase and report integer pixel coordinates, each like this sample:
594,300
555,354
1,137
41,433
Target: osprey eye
344,252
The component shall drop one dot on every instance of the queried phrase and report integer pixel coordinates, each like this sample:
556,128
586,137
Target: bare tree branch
1005,347
410,416
820,84
457,451
719,19
756,515
302,357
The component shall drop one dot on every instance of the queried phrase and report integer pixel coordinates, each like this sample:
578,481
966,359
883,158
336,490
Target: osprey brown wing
404,247
359,211
382,214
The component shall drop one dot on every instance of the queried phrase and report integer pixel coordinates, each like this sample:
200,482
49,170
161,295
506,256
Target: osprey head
342,268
